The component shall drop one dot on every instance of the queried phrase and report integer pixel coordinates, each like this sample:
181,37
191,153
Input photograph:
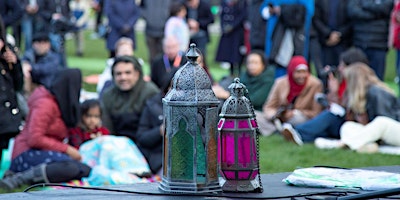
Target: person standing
394,40
155,15
177,26
81,12
11,81
199,16
257,25
231,43
122,16
288,30
370,20
11,12
334,29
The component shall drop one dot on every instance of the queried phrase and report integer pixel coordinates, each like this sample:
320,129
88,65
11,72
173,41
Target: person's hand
287,115
26,69
275,10
10,56
397,17
162,129
333,83
31,9
220,92
1,43
73,153
227,28
334,38
56,16
126,29
193,25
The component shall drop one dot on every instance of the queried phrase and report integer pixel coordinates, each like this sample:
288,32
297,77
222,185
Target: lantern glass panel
245,149
244,175
229,123
243,124
253,123
221,123
254,174
182,151
228,149
230,175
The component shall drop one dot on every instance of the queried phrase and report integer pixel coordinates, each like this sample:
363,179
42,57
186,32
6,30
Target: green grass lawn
276,155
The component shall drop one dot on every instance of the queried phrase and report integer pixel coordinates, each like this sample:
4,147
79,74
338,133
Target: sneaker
323,143
369,148
290,134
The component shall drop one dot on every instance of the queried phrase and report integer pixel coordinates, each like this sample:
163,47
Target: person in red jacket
40,154
89,126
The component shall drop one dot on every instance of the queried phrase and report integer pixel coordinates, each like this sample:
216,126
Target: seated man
123,47
291,98
41,60
167,63
123,102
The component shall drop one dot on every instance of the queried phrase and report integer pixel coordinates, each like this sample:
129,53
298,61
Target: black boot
36,174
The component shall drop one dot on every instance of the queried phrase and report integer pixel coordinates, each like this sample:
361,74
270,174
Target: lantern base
241,186
182,187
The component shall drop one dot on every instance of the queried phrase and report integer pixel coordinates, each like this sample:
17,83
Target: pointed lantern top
191,83
237,105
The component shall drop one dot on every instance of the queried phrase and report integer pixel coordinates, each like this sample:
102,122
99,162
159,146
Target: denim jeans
325,124
377,61
27,30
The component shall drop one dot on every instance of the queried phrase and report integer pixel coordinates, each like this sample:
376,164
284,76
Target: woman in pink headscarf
291,99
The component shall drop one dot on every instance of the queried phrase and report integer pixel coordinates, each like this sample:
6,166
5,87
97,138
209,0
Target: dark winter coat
205,17
321,21
232,27
11,81
121,110
10,11
162,66
149,139
43,67
370,22
122,16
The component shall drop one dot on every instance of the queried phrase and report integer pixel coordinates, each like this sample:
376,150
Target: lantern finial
192,53
237,88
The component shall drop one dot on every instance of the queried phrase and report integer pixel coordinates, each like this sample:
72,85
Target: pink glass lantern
238,143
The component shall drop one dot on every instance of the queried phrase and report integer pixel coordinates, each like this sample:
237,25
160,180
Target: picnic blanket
327,177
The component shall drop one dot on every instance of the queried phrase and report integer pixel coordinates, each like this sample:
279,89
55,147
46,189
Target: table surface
273,186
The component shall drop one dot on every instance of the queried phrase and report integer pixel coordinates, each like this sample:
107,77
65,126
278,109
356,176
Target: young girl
89,126
103,152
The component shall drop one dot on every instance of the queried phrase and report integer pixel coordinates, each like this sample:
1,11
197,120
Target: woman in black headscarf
39,153
11,81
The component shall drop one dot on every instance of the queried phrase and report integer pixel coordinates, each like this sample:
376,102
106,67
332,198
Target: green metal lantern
190,162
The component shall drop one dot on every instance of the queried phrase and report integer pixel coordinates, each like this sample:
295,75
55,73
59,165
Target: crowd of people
59,137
